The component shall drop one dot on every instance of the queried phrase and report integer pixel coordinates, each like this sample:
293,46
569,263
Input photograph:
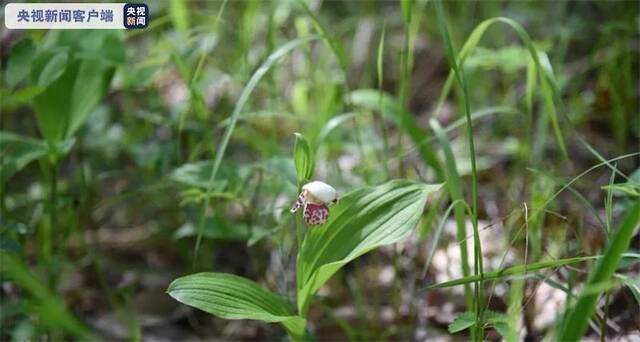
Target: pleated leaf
233,297
361,221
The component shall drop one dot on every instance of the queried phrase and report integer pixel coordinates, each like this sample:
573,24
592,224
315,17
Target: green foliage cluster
199,132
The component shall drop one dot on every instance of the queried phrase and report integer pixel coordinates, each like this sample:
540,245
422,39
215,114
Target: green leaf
216,228
303,158
15,98
505,331
629,188
73,81
500,322
280,167
19,63
91,84
179,14
196,174
380,58
497,320
332,124
53,69
17,151
633,284
406,6
509,59
575,321
113,50
362,220
464,321
53,105
47,305
232,297
540,64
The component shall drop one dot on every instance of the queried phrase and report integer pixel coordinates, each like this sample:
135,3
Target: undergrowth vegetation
486,157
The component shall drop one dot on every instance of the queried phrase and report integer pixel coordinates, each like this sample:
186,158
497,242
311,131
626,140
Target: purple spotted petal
315,214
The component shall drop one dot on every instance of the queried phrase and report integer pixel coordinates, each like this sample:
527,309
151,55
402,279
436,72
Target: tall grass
455,190
574,323
242,100
479,268
109,164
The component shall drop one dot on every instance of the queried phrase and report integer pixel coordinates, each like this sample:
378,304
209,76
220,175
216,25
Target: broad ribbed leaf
232,297
361,221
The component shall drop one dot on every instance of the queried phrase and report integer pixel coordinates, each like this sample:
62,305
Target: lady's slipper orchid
315,199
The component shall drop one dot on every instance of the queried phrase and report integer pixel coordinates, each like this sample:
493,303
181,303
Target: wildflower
315,199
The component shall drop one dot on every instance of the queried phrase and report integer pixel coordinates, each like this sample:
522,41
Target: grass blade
179,14
47,305
576,319
459,73
510,271
545,74
455,191
337,49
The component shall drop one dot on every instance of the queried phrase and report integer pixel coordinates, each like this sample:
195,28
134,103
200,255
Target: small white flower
315,199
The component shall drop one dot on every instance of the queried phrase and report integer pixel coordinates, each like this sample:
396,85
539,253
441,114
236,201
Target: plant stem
47,245
603,322
479,269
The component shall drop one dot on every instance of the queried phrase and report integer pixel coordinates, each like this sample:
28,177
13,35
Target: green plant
69,80
111,166
575,321
244,97
363,220
42,302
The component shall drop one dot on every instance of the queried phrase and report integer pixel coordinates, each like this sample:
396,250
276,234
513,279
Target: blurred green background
108,140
